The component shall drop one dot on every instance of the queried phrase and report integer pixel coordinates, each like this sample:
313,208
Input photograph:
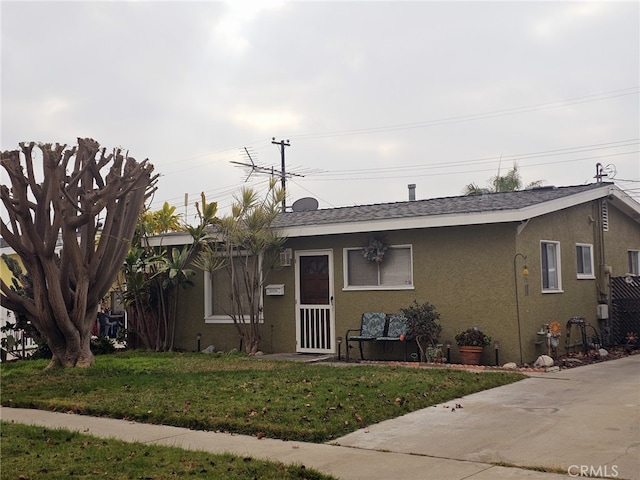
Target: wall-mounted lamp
496,347
198,338
447,344
339,340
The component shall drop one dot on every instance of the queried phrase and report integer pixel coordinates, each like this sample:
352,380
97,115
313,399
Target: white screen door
315,323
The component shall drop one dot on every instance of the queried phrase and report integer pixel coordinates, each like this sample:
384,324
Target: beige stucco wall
467,272
464,271
577,297
623,235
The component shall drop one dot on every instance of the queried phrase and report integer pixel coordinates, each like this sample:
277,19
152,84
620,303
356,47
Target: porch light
525,271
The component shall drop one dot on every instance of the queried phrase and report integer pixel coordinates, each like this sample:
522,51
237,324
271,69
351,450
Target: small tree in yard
251,249
63,201
423,325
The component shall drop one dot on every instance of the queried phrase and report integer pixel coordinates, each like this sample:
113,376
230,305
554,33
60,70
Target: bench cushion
397,326
372,325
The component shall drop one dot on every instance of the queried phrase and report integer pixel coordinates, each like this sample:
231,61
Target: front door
315,323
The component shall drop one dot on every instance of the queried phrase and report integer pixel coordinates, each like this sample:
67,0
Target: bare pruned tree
62,202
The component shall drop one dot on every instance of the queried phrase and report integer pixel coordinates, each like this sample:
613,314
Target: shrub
423,325
472,337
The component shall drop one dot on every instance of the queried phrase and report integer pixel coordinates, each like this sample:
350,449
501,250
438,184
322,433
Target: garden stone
572,360
603,353
209,349
510,365
544,361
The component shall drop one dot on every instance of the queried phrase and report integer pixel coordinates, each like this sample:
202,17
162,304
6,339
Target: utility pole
283,173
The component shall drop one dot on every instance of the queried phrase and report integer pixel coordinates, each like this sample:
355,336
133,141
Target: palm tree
252,248
510,182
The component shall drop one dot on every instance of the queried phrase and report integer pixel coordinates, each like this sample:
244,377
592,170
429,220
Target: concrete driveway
582,422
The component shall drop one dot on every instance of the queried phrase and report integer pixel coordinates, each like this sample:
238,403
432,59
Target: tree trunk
251,345
73,350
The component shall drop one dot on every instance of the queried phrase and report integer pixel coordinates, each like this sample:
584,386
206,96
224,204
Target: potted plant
471,342
423,327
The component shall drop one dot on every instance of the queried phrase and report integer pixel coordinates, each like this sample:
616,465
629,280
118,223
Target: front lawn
234,393
42,453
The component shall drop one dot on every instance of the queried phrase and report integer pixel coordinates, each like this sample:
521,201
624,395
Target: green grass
286,400
39,453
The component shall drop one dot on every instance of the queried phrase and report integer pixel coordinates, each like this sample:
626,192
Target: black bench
378,327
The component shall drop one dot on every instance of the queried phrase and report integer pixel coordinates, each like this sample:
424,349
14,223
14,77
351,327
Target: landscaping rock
544,361
209,349
572,361
510,365
603,353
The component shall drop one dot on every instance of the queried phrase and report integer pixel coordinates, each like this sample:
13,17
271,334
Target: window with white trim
584,260
217,295
634,262
550,266
394,272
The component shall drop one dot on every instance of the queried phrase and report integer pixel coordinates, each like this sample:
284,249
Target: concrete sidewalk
581,419
587,417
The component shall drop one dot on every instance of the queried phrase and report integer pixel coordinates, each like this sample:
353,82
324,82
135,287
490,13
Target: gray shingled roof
435,206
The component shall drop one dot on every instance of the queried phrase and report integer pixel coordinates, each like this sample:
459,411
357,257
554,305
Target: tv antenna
283,174
252,166
605,171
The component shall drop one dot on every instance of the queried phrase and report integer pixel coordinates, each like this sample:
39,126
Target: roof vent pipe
412,191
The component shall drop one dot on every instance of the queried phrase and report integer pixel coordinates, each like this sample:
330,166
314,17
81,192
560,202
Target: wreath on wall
374,250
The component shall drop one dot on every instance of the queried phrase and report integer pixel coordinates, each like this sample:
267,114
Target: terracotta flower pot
470,355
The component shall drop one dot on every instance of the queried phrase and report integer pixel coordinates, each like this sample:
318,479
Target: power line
443,121
458,172
478,116
484,160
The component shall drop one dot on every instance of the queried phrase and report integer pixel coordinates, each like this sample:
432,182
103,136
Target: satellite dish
306,204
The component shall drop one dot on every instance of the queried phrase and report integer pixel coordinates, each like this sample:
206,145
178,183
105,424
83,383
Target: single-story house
507,263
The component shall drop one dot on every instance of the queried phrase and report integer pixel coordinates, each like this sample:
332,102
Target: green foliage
236,393
102,345
509,182
423,327
248,237
153,277
472,337
423,321
42,351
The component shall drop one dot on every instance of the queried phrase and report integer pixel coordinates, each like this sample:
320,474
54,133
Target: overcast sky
371,95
